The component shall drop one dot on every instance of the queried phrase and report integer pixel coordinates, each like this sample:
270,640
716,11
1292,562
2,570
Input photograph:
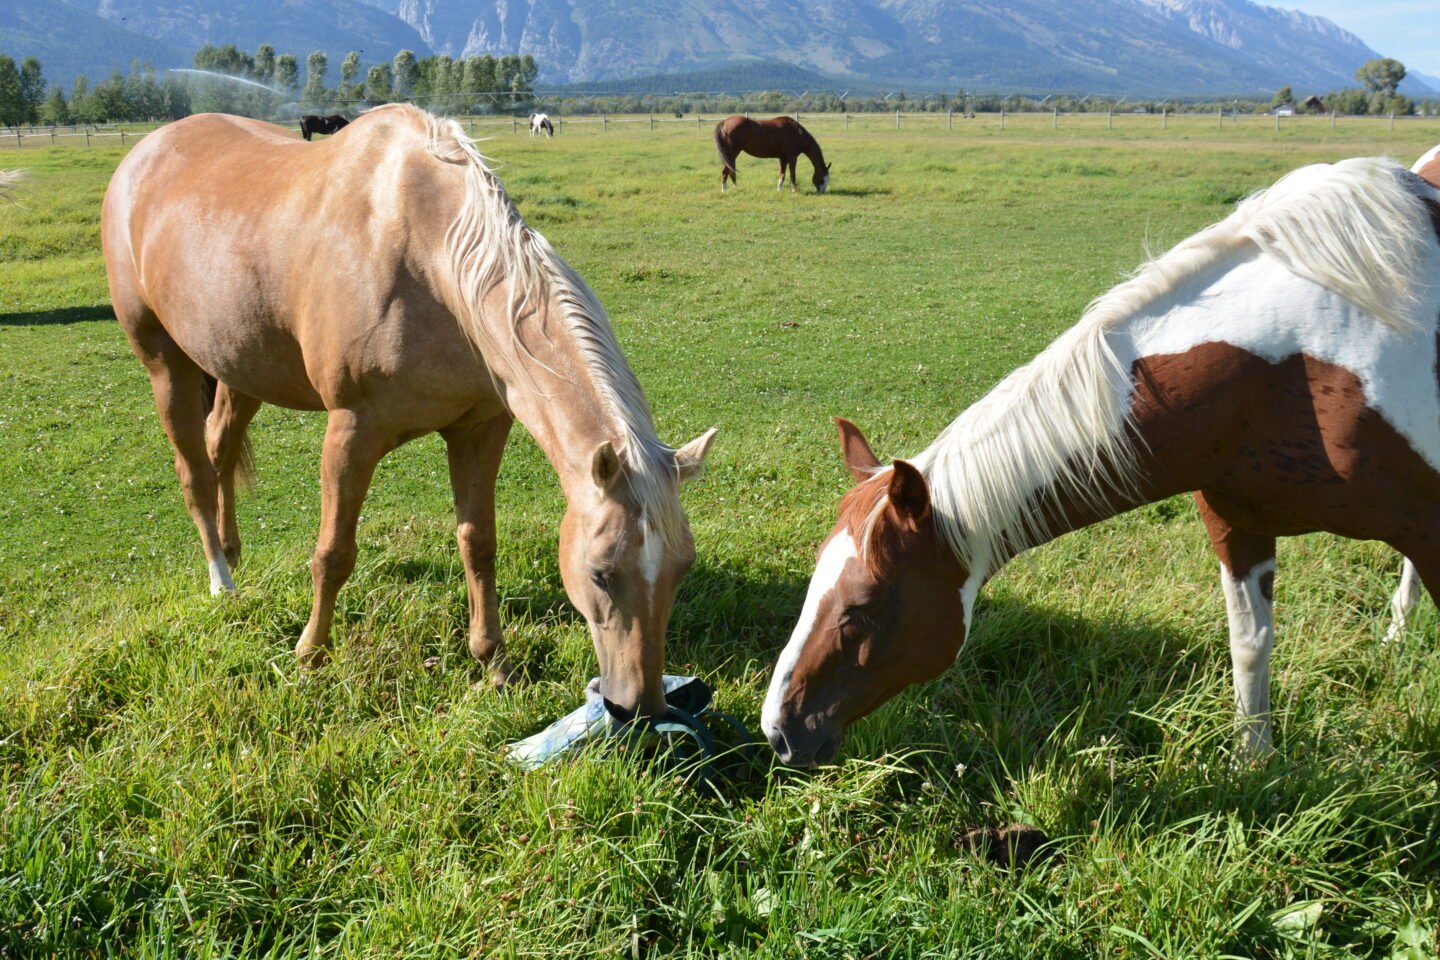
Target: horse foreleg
346,466
180,398
229,449
474,454
1247,576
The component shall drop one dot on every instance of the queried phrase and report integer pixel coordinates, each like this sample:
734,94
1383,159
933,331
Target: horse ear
909,493
605,466
828,166
860,460
690,459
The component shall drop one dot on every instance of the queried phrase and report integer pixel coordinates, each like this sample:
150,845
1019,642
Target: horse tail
245,465
726,161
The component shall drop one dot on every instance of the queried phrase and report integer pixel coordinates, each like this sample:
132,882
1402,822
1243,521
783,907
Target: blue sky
1408,30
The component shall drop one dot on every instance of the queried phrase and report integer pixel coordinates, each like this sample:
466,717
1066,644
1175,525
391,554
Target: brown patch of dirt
1013,847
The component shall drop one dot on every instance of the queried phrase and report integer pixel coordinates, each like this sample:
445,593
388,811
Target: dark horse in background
310,123
779,138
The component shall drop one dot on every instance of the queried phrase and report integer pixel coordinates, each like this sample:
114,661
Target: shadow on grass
853,192
39,318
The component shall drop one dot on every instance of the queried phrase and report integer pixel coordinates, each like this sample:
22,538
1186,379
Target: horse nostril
779,745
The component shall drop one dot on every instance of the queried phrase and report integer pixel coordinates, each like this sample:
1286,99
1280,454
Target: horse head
621,570
821,179
883,610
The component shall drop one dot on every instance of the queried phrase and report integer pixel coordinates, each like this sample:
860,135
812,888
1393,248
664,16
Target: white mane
489,244
1055,429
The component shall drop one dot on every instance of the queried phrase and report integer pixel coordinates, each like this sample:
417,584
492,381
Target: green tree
287,73
378,86
315,66
349,70
227,59
12,104
56,110
32,88
1381,76
80,107
479,77
264,63
1283,95
405,73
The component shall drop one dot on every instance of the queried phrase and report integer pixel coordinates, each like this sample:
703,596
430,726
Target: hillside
1155,47
71,41
291,26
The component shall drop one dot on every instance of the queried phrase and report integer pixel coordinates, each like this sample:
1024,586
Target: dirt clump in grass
1011,848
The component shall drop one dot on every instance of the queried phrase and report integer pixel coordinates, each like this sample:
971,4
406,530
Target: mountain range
1133,47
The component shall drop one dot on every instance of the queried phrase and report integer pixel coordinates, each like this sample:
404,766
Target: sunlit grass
174,787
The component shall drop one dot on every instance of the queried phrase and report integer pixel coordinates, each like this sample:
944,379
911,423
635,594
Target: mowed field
172,785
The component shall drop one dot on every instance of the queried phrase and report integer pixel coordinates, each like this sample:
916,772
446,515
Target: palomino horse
386,277
540,123
777,138
1282,363
311,124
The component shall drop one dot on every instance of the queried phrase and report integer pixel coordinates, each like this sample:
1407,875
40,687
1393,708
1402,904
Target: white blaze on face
825,183
833,558
652,551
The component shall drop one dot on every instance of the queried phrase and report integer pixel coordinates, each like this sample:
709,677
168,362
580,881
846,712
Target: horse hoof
311,657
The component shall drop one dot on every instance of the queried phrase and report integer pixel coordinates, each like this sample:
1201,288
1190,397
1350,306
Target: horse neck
560,395
811,148
1012,472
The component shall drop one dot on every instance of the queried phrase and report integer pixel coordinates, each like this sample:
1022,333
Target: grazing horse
1281,363
385,277
778,137
540,123
310,123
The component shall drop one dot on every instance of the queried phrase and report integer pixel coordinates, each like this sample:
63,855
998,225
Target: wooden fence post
1332,119
1109,118
652,121
514,124
604,123
847,119
950,119
1164,117
1392,119
1054,118
1277,123
897,119
1219,118
1002,118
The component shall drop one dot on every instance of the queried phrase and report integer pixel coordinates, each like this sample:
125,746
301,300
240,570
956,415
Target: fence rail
19,138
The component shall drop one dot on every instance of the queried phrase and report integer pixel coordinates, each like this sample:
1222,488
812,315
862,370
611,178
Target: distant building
1314,104
1284,110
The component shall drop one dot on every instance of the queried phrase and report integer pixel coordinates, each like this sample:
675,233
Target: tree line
265,85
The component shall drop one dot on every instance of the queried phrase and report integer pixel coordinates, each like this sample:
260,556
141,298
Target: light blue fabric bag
689,700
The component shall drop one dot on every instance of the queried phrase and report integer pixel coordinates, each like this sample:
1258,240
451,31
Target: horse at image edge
1281,363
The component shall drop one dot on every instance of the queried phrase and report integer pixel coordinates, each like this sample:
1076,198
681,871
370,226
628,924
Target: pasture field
171,785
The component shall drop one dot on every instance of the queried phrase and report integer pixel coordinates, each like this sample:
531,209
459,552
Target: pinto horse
435,308
1281,363
540,123
777,138
310,123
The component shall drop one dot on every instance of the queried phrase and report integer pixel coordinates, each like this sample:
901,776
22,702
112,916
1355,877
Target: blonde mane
1055,430
489,244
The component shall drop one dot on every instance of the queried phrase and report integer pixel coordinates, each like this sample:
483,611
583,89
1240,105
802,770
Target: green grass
171,785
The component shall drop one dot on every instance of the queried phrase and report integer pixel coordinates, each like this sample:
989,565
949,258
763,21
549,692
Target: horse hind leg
780,184
1406,596
182,399
229,450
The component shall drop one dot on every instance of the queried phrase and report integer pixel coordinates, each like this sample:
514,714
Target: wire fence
20,138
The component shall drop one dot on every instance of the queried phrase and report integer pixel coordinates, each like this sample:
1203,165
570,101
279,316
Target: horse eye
601,579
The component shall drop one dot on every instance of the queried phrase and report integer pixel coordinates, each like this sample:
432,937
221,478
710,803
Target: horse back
273,262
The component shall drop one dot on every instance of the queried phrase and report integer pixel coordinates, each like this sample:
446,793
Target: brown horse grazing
778,137
1282,363
386,277
310,123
